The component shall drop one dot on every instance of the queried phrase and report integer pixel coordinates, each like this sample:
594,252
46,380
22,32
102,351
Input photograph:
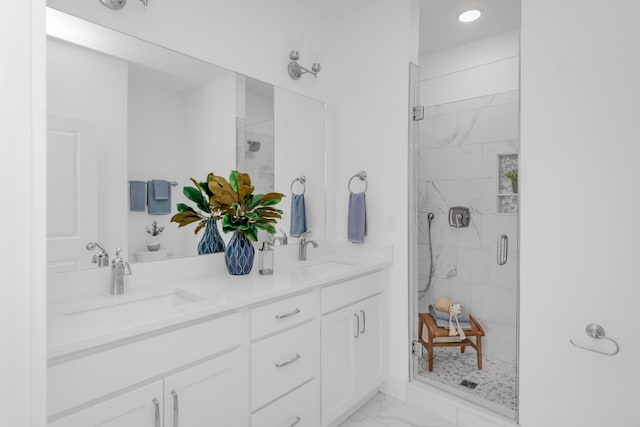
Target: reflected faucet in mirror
280,240
102,257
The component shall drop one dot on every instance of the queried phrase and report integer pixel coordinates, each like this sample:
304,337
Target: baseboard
395,388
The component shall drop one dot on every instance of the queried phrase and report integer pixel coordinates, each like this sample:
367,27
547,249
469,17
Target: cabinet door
371,351
213,393
138,408
339,330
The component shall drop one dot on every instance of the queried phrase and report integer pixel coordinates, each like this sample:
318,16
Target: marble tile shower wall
459,147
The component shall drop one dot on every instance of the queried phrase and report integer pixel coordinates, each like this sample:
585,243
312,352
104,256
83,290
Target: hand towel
298,215
441,323
136,196
441,315
161,189
155,206
357,222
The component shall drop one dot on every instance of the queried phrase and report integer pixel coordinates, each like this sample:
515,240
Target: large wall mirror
122,110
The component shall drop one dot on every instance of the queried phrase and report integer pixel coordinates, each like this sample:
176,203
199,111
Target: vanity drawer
89,377
283,362
343,294
301,406
281,314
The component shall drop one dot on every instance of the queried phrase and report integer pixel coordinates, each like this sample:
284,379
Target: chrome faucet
102,257
119,269
302,248
282,240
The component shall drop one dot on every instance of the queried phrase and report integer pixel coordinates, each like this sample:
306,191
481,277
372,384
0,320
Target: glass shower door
466,156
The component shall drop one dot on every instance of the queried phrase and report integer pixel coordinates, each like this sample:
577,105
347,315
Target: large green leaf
266,227
252,233
205,187
255,201
195,195
184,208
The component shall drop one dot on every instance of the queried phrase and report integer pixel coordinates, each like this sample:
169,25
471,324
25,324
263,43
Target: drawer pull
364,322
357,333
176,410
156,405
295,422
284,316
288,362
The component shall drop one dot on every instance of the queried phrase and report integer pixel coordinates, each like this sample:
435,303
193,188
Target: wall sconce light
296,70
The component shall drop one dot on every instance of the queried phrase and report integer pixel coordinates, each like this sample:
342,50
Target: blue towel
161,189
442,315
298,215
136,196
466,326
155,206
357,223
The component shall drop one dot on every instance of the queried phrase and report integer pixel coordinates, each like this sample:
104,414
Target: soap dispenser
265,259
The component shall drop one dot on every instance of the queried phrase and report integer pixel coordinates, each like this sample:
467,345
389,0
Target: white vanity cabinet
200,369
285,363
138,408
353,344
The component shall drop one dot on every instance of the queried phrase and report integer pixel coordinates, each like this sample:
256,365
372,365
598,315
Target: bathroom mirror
121,109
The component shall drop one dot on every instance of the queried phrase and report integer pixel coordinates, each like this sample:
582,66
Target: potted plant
240,211
513,176
153,244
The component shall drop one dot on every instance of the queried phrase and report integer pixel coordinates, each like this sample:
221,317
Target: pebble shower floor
496,382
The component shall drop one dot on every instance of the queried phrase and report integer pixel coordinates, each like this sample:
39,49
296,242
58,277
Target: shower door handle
503,249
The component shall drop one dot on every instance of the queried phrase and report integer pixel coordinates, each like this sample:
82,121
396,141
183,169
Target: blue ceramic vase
239,254
212,241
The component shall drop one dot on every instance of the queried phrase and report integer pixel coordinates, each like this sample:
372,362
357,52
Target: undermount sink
125,309
328,266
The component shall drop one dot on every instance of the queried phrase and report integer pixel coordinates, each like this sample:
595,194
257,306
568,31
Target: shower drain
469,384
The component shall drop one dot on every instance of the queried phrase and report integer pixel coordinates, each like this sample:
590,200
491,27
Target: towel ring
362,175
301,179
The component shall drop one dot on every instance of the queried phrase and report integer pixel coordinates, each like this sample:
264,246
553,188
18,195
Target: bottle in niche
265,259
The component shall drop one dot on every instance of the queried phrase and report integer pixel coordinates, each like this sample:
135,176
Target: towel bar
301,179
173,183
362,175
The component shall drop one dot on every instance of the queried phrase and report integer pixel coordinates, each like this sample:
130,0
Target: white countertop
80,322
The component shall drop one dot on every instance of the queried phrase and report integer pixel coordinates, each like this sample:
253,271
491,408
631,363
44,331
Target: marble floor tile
384,411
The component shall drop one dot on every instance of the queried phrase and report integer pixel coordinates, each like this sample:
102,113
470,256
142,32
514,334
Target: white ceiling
439,25
440,28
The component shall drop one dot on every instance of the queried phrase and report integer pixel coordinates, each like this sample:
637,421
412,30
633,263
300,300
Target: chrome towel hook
301,179
362,175
596,331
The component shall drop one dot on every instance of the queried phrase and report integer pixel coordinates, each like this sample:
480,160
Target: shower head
253,146
430,216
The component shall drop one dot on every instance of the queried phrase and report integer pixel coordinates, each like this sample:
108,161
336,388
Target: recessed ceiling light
469,15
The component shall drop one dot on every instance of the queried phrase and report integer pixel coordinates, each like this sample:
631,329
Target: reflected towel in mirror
160,206
298,215
136,196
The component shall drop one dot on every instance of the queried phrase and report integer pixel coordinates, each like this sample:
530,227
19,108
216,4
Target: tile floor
385,411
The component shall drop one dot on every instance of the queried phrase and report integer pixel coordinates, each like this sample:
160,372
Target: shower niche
507,193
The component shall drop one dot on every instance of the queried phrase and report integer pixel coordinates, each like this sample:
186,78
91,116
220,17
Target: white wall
460,140
251,37
369,131
23,243
580,154
300,129
72,92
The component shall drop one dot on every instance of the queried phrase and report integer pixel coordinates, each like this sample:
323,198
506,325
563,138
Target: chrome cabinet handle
596,331
288,362
156,404
364,322
295,422
503,249
176,409
284,316
357,326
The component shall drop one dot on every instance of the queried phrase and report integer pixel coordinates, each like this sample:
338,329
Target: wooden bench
439,337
